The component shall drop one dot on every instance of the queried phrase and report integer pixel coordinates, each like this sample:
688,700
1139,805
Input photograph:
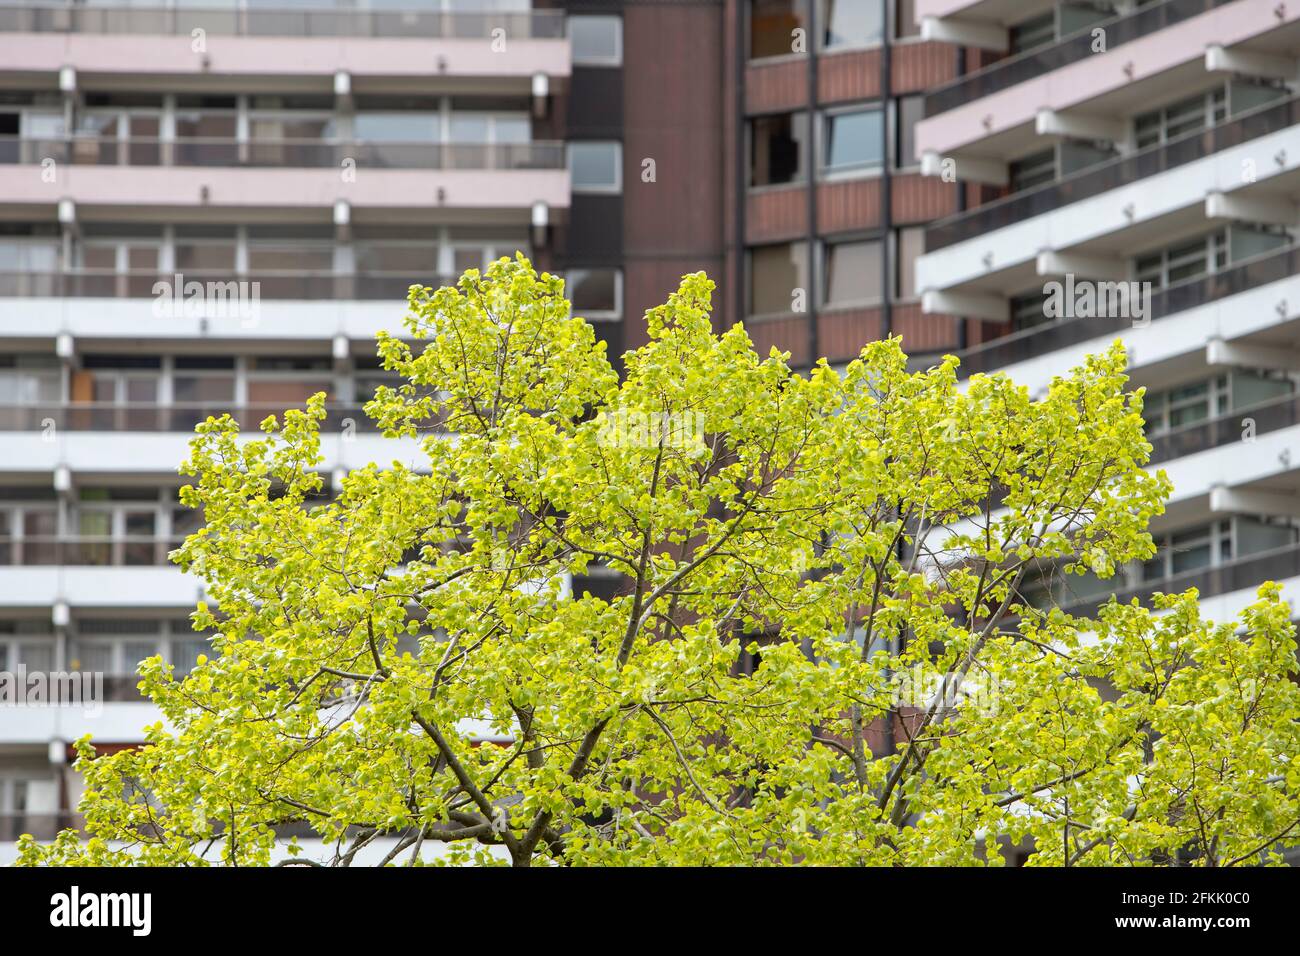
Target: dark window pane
911,109
777,275
593,290
772,24
778,149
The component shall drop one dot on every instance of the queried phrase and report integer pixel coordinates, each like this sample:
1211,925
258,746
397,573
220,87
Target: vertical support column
739,191
67,213
813,252
341,349
68,87
886,172
345,277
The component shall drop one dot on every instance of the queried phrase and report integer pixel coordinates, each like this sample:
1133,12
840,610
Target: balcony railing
180,417
282,284
212,152
1043,339
1226,429
43,826
1113,173
1077,46
89,551
341,20
1246,572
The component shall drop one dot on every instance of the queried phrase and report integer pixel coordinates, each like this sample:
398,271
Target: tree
719,708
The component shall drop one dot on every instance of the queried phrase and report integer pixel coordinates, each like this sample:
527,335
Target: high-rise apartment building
210,207
1129,172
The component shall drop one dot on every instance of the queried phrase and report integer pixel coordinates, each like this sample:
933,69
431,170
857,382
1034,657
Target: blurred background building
845,170
1155,143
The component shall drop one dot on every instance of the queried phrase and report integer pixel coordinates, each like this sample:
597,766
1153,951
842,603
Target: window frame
809,148
811,264
612,60
827,173
801,5
598,190
823,23
825,251
601,314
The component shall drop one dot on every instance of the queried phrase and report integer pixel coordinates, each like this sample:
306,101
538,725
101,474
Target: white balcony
1122,220
1156,52
404,49
43,450
288,321
109,723
480,193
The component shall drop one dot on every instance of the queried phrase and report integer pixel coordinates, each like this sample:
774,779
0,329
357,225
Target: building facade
215,209
1129,173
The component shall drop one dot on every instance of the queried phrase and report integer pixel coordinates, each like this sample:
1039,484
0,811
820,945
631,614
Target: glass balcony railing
164,418
281,284
1077,46
43,826
1226,429
88,551
1247,572
211,152
341,20
1112,174
123,688
1043,339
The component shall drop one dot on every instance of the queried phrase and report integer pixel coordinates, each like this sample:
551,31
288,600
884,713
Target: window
910,110
208,249
1194,402
1027,310
30,379
269,126
850,23
290,255
396,256
216,120
596,40
28,266
1192,259
778,278
854,141
278,382
1034,170
467,127
905,24
203,388
1185,405
911,244
1033,33
595,293
28,642
383,127
116,646
1200,547
1179,119
596,167
853,272
772,24
778,149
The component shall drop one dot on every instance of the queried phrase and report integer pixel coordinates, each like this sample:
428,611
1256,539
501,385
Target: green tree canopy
817,650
